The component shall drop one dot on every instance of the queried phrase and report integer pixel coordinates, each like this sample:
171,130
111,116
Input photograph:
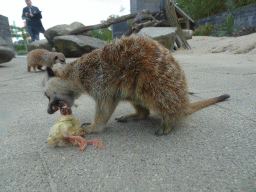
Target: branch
105,24
16,35
170,13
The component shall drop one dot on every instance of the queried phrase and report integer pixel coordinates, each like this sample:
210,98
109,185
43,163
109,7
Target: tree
104,34
20,32
241,3
169,9
197,9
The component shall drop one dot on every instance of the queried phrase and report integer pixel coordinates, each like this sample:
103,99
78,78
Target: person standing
33,17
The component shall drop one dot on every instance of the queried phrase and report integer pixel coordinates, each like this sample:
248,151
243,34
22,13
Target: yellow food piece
65,124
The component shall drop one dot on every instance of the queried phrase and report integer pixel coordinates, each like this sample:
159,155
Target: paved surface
211,150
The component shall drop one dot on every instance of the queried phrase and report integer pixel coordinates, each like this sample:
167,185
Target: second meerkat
41,57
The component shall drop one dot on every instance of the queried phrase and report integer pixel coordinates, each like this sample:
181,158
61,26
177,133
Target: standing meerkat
39,57
137,69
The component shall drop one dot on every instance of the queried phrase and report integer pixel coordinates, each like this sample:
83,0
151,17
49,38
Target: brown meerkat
137,69
39,57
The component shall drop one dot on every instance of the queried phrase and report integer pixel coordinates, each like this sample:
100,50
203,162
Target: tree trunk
105,24
171,16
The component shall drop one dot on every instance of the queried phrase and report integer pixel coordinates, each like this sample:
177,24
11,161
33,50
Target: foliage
230,5
129,23
228,27
110,17
22,42
20,32
106,33
103,34
204,30
197,9
241,3
21,52
19,47
201,8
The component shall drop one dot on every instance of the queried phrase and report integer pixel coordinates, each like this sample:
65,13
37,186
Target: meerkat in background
39,57
137,69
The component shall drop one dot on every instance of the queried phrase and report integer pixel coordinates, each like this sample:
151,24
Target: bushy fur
136,69
39,57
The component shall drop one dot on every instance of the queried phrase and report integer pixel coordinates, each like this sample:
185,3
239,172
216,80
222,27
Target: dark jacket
34,22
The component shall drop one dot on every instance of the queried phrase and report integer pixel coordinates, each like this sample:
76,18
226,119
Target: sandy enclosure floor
234,45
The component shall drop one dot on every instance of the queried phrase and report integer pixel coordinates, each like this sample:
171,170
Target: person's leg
36,36
30,33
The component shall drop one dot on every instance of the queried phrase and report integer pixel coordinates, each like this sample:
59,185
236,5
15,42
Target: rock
61,30
42,44
165,35
245,31
142,16
187,33
6,53
76,45
144,19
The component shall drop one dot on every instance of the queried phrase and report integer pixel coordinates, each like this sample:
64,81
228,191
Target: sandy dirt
232,45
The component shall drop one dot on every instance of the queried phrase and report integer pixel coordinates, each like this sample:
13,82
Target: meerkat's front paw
87,127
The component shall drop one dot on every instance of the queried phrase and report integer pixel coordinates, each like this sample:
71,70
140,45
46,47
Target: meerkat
137,69
39,57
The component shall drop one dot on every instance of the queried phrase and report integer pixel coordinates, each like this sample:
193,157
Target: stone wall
119,29
151,5
245,16
5,31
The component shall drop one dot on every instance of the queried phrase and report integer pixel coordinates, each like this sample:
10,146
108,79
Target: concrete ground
211,150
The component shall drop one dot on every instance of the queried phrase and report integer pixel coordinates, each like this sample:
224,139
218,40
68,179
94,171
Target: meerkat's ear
50,72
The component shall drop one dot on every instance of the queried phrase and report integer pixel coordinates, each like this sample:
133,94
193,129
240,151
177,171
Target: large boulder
164,35
41,44
61,30
76,45
6,53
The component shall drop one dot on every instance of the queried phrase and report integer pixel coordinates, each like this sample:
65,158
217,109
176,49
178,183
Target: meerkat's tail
195,106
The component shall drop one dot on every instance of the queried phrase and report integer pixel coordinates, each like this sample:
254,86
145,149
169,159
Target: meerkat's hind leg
141,113
34,69
29,68
167,124
163,129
